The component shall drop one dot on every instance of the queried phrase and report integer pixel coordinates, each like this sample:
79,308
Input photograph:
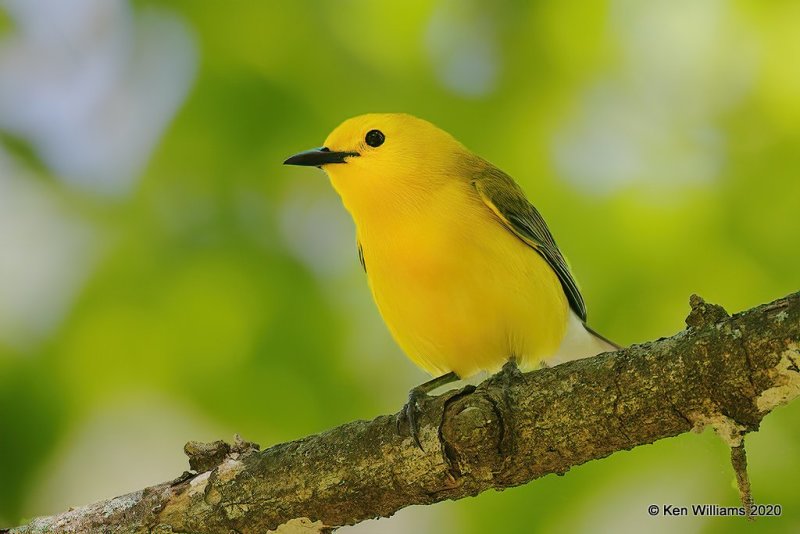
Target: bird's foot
417,397
409,414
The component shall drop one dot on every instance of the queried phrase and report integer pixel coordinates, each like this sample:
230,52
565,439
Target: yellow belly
458,291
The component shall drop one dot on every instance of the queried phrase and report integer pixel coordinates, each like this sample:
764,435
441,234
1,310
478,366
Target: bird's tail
580,341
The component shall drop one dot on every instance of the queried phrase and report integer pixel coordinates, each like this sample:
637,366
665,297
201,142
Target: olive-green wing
507,200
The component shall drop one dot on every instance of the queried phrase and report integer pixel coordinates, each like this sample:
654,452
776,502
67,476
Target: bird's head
380,161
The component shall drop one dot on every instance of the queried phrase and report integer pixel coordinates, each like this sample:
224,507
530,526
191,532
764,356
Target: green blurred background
164,278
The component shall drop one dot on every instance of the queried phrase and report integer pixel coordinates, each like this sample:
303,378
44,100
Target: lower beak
318,157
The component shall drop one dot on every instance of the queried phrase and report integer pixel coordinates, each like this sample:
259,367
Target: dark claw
416,398
412,409
410,415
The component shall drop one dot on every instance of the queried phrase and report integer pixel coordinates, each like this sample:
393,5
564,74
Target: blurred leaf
6,23
22,150
31,421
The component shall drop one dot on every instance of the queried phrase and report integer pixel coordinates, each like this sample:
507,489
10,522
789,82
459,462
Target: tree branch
724,372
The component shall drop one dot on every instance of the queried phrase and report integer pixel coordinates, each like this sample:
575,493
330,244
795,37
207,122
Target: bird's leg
410,411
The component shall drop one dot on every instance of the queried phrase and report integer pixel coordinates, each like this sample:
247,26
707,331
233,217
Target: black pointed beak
317,157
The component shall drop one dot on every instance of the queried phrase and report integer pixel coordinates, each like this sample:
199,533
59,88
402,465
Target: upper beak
316,157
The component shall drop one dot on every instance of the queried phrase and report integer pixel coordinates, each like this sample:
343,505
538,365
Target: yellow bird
462,267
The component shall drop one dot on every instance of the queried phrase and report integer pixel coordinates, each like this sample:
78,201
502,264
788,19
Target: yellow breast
458,291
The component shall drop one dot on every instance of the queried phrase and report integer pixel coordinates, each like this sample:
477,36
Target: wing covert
507,200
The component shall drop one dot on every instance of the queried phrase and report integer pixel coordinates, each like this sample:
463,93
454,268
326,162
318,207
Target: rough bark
724,372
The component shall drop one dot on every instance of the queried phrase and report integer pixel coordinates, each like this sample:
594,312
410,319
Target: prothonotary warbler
463,268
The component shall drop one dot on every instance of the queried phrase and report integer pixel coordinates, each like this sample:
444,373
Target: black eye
374,138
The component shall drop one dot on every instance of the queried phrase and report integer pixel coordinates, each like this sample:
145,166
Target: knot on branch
703,313
206,456
472,434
